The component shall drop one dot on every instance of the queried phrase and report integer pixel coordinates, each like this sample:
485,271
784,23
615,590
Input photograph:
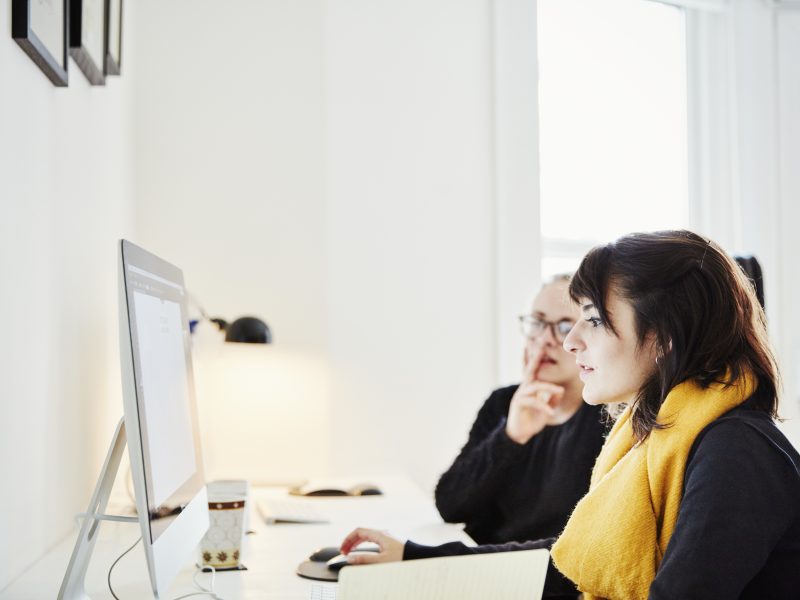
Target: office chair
752,269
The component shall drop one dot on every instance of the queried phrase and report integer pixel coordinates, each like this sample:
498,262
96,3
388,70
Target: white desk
271,554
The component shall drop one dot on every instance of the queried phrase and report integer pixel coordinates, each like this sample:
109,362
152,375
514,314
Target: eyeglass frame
545,325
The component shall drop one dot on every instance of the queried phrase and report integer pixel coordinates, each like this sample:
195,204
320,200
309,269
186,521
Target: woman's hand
391,549
532,405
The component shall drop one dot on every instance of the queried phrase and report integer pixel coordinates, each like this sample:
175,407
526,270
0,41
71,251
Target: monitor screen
160,413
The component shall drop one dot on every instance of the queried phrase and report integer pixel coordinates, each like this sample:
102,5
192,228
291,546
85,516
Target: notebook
508,575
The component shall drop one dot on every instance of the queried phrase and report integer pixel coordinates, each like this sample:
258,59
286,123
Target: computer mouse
340,560
324,554
326,492
366,490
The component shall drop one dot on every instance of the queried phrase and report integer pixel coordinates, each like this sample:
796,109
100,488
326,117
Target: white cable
202,570
111,568
204,592
212,594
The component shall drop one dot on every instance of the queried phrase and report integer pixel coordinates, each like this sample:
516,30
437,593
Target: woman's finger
357,536
544,386
539,402
533,363
366,558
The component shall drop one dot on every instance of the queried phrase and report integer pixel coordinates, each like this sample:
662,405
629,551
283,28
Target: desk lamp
244,330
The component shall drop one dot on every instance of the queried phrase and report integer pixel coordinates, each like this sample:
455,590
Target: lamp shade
248,330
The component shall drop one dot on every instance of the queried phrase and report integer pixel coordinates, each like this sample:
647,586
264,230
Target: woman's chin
593,397
591,400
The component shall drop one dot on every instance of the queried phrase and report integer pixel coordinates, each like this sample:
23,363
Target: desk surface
271,553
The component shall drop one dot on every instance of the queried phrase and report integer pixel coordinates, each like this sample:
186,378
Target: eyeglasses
532,327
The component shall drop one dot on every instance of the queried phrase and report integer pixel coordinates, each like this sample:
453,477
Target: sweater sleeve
465,489
736,507
555,584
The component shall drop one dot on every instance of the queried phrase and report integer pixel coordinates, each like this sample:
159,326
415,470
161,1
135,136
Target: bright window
613,130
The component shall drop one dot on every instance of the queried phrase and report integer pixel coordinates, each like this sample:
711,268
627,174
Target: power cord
203,570
204,591
111,589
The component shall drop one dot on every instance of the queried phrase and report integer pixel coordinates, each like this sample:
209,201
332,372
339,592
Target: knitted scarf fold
616,537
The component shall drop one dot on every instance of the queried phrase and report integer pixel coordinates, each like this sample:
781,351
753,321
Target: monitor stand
72,588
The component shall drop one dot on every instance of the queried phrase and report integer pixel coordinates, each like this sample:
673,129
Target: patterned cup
221,547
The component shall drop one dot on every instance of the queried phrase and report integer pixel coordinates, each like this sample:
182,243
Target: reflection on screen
165,394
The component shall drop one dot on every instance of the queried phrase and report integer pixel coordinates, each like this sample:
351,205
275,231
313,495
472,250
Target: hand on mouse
533,404
391,549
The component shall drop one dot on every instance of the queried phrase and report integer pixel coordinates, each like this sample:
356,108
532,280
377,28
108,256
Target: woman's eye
595,321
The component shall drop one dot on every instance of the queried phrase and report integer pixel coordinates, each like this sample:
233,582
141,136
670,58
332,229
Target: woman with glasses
530,452
696,493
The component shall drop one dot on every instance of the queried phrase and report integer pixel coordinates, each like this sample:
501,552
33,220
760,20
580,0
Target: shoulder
505,392
502,396
496,406
744,438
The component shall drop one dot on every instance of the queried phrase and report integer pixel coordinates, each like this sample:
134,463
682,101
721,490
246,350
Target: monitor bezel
169,543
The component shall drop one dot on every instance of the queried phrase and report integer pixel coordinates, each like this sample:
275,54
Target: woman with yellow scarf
696,493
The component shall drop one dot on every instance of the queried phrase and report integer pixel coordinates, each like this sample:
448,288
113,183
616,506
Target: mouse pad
311,569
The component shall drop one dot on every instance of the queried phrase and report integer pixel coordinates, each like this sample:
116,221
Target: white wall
518,243
410,221
745,150
229,121
65,193
788,74
330,167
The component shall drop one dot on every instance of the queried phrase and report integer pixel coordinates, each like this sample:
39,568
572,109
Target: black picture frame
113,60
37,29
87,38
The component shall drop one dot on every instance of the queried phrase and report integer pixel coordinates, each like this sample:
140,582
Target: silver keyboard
276,510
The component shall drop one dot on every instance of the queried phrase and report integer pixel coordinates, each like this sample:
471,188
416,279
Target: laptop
508,575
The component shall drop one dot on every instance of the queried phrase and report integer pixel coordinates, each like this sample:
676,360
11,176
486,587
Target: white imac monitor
160,413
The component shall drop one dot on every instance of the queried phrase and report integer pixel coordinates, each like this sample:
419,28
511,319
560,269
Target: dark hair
695,303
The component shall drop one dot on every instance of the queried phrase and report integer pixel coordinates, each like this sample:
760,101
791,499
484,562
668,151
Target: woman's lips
585,371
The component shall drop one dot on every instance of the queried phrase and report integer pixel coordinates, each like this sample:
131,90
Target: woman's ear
650,349
661,353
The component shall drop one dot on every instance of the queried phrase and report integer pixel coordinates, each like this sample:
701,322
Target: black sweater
504,491
738,530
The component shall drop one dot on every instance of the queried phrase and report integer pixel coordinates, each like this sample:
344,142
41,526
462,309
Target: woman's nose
572,341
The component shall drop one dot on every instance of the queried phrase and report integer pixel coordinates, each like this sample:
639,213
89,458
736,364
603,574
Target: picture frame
87,38
113,60
40,27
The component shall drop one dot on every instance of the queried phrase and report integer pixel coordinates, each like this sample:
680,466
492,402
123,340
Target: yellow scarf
618,533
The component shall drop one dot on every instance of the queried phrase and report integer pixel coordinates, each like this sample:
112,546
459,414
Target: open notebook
508,575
